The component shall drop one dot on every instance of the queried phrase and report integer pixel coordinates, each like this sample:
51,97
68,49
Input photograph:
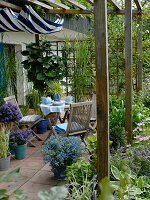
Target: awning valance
28,20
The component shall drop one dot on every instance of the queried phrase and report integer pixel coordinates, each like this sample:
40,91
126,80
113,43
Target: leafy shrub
137,158
128,185
78,171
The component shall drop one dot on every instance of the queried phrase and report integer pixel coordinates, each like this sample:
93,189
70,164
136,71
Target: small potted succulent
61,152
9,113
18,140
4,148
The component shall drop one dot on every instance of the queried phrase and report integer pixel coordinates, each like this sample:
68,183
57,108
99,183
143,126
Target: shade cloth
28,20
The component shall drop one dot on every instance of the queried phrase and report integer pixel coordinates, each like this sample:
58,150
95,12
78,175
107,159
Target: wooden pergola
100,11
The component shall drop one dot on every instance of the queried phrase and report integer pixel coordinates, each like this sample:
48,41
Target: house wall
20,39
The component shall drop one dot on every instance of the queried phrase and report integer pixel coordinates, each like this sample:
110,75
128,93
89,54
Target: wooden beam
58,4
138,4
75,3
128,69
39,3
139,49
102,88
91,2
9,5
117,7
73,11
122,12
70,11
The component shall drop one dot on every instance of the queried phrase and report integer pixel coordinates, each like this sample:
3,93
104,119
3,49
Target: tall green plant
42,65
4,142
83,76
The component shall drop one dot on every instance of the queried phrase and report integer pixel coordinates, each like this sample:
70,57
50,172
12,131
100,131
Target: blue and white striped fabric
28,20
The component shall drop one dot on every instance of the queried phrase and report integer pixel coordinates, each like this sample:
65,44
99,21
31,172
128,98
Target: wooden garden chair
26,122
78,122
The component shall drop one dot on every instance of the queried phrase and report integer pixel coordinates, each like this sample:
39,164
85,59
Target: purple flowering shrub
8,113
137,158
61,151
19,137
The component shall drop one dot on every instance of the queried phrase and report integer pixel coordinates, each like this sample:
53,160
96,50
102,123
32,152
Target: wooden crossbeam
72,11
117,7
39,3
138,4
75,3
58,4
91,1
9,5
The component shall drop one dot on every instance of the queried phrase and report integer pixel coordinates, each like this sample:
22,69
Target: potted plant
55,90
9,113
19,139
4,148
61,152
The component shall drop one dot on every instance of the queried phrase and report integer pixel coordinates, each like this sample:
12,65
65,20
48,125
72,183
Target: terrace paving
34,176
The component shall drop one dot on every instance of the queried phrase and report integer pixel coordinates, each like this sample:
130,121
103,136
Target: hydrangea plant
9,113
61,151
19,137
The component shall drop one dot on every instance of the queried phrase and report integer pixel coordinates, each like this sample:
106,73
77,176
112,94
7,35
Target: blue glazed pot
42,126
20,151
60,173
56,97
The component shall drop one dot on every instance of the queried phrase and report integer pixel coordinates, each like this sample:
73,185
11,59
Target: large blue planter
42,126
20,151
60,173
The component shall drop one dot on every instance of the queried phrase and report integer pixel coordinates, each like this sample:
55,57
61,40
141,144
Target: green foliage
128,185
83,75
55,193
136,157
54,88
106,190
4,142
140,112
43,65
81,191
33,99
17,193
117,121
78,171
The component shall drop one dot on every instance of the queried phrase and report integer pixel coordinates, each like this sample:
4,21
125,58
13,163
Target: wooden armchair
78,122
28,122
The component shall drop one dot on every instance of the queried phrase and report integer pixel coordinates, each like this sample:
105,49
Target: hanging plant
42,65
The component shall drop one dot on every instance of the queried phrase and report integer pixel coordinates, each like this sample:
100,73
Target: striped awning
28,20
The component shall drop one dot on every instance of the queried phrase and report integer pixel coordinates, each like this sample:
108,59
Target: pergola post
128,69
139,49
102,88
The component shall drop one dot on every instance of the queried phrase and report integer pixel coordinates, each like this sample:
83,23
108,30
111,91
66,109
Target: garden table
50,108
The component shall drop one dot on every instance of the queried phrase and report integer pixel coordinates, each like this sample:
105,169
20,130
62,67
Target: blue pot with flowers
18,142
9,114
61,152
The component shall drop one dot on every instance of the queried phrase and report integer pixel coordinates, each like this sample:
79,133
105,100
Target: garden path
34,176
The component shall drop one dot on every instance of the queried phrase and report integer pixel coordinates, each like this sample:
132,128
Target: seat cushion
61,128
30,119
